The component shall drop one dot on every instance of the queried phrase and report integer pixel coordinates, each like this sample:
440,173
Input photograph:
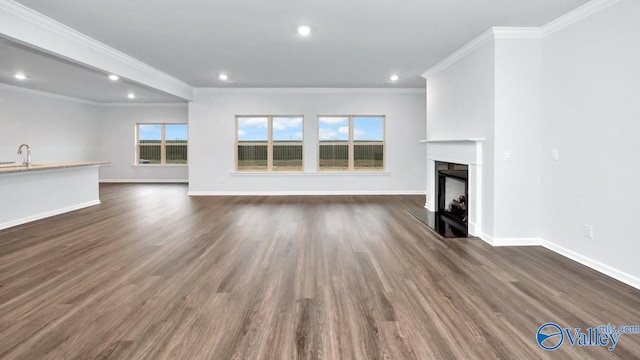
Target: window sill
319,173
160,165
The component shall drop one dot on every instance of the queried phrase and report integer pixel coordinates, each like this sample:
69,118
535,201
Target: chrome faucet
27,161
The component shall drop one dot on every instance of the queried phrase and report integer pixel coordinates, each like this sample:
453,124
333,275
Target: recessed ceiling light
131,96
20,76
393,77
304,30
223,77
114,77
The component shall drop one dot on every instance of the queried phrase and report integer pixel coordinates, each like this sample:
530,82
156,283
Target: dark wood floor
152,273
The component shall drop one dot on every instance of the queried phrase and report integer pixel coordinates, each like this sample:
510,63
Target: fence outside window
162,143
351,143
269,143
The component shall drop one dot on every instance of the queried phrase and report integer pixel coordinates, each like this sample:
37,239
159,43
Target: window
351,143
269,143
162,144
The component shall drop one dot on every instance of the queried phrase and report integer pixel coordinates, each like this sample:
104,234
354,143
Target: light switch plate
588,231
507,155
555,155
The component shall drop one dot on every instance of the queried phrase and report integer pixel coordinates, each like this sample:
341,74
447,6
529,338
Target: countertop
19,167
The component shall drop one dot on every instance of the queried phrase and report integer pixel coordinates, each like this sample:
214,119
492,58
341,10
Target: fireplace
451,196
457,155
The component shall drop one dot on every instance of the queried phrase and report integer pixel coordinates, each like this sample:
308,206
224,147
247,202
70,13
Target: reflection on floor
442,225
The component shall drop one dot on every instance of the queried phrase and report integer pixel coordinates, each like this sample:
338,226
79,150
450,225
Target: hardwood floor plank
155,274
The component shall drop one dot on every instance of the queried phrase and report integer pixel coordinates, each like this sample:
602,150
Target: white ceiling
55,75
354,43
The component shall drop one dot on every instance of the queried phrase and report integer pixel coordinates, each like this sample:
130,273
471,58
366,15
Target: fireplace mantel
460,151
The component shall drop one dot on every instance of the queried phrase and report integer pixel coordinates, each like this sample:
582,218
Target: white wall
33,195
56,128
591,114
571,85
118,142
460,98
460,105
211,140
517,131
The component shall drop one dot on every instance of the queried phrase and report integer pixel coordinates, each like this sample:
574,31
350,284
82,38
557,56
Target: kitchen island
46,189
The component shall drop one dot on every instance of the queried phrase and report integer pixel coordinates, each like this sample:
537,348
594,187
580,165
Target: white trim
497,242
593,264
149,104
55,96
460,152
46,94
581,259
150,181
472,228
454,160
453,140
486,238
421,90
560,23
29,27
465,50
517,32
319,173
47,214
576,15
313,193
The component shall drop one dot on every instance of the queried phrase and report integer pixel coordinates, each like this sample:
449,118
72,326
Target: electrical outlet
588,231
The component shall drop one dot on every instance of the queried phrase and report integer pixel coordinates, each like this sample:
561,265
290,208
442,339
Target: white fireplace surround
460,151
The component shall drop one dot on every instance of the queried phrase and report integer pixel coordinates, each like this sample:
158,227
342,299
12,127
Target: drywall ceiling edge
24,25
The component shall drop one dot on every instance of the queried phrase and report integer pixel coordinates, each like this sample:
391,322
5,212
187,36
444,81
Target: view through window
269,143
351,143
162,143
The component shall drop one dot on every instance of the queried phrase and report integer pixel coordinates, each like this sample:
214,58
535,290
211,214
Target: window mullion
138,148
350,148
270,144
163,152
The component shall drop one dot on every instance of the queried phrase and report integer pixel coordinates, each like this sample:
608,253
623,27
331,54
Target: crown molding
465,50
308,91
576,15
84,101
24,25
560,23
517,32
485,37
46,94
149,104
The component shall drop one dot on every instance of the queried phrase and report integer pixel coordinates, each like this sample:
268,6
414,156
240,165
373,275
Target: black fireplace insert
452,195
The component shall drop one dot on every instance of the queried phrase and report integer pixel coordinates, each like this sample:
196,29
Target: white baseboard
584,260
47,214
294,192
149,181
510,241
472,229
593,264
429,206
